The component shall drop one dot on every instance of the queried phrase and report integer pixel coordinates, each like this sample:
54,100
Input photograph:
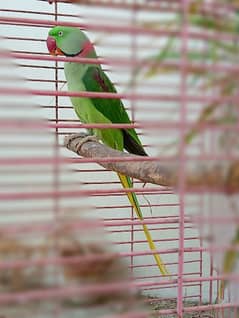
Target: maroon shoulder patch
100,81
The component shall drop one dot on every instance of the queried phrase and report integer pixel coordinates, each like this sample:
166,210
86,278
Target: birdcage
71,243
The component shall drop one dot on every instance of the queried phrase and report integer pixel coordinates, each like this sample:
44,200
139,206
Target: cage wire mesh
71,243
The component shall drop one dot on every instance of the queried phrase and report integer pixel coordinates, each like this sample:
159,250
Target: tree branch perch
200,176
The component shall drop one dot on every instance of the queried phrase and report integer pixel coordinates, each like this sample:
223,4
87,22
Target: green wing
95,80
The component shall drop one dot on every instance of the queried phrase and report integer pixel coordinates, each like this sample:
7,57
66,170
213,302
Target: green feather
126,182
95,80
91,78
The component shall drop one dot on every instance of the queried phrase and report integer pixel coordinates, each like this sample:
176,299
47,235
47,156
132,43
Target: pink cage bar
173,63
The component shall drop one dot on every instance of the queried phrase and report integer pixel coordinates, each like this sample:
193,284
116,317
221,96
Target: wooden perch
200,176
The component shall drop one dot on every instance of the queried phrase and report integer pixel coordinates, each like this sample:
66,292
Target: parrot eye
60,33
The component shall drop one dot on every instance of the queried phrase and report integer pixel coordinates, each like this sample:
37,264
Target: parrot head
70,42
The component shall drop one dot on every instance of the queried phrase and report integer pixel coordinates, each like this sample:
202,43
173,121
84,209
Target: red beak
51,45
52,48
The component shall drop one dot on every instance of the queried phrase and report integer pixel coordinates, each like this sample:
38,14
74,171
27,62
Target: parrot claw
79,140
84,139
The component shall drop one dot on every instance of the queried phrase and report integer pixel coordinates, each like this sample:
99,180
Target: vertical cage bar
56,169
132,107
182,157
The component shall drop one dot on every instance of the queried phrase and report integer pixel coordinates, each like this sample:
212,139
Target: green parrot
72,42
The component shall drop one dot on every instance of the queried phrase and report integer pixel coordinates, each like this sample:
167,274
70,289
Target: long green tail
126,183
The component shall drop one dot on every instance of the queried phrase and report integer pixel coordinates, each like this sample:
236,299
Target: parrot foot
80,139
84,139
